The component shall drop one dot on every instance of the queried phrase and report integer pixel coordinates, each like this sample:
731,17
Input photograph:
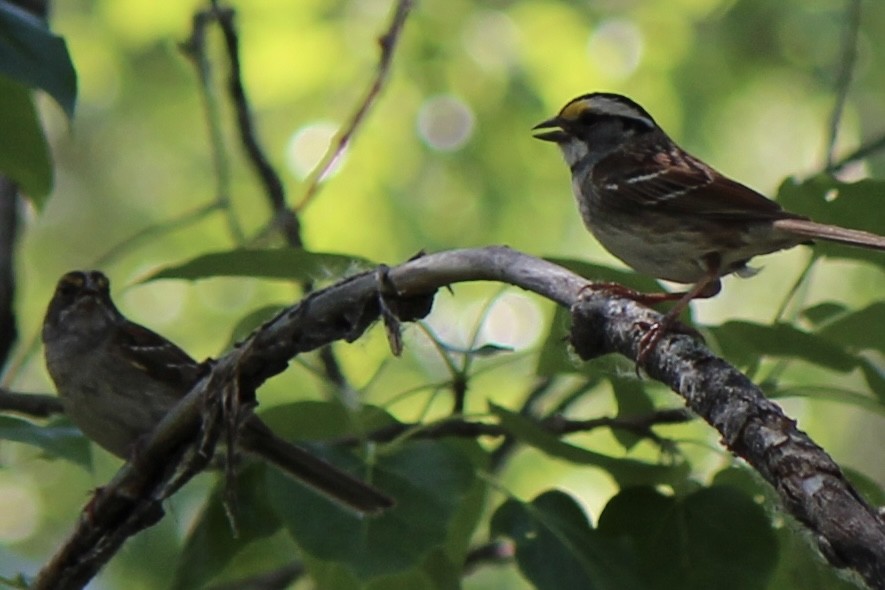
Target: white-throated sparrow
118,379
664,212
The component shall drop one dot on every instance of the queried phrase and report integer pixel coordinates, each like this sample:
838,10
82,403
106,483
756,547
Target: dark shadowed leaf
714,538
861,329
557,549
626,472
851,207
800,565
278,263
599,273
866,485
823,312
212,545
24,154
433,484
31,55
316,420
58,439
743,343
632,398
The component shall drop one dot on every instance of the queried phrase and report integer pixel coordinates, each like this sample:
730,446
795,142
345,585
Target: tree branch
809,483
8,225
284,219
30,404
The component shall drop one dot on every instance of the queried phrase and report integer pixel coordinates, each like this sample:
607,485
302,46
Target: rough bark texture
849,531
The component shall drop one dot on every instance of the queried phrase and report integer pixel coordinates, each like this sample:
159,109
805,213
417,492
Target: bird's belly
663,256
113,416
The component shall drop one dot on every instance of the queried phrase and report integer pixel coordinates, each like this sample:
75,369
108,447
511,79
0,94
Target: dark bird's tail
832,233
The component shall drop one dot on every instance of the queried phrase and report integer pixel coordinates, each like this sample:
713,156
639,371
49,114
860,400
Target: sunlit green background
445,160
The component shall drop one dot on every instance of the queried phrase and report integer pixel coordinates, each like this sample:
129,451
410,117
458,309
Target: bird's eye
101,281
70,284
589,118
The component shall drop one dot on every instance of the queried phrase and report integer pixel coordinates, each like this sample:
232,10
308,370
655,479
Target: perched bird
666,213
118,379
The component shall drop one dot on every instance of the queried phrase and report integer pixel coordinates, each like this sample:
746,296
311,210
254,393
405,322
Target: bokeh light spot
491,38
615,47
18,519
308,145
445,123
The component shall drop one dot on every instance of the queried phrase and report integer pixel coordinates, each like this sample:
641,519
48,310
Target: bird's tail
310,469
832,233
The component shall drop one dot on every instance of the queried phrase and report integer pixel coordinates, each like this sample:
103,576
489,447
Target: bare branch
8,223
284,219
195,49
30,404
861,153
810,484
493,552
387,42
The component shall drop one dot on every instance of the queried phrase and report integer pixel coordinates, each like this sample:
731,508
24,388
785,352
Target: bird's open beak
556,136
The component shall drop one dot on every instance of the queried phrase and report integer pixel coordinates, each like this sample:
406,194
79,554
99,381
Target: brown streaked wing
674,182
158,357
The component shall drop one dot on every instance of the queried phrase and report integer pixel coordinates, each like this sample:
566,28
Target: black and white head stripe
605,104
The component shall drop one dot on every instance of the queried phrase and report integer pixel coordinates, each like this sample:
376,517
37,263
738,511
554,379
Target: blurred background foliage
445,160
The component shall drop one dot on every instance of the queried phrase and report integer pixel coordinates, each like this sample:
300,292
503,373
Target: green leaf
278,263
24,153
212,544
823,312
58,439
554,357
317,420
866,485
851,208
739,476
800,565
626,472
841,396
743,343
633,400
714,538
853,330
31,55
557,549
432,482
599,273
484,351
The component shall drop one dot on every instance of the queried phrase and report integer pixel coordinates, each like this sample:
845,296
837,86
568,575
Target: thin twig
493,552
847,63
865,151
387,42
284,219
9,201
36,405
195,49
